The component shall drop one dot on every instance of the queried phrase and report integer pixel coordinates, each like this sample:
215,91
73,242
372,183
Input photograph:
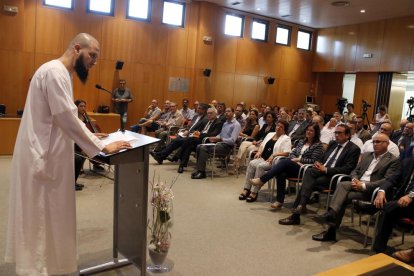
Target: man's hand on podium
116,146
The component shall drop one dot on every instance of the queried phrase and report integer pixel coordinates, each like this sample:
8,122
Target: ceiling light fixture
341,3
258,9
362,11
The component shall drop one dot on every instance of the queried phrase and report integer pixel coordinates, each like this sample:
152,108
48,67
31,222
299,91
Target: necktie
205,130
333,157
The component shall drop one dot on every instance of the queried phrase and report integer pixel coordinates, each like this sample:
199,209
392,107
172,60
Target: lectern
130,204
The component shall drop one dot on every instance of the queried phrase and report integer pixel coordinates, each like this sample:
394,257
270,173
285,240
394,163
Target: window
173,13
234,25
304,40
66,4
101,6
259,29
139,9
283,35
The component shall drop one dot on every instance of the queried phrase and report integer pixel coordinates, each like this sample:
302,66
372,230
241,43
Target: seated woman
248,146
307,151
275,144
251,128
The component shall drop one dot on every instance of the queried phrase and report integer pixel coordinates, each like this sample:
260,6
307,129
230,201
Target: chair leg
366,231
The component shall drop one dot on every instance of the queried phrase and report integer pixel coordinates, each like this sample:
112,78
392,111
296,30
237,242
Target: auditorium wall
153,52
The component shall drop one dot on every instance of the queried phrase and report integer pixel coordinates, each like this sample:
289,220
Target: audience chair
216,155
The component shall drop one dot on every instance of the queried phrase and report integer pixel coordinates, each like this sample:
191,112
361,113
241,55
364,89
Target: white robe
41,234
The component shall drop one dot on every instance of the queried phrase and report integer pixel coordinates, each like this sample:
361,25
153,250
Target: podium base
104,267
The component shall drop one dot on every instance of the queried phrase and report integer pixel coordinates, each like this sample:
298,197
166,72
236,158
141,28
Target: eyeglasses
384,129
339,132
378,141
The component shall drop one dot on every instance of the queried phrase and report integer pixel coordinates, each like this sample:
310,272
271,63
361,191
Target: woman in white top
275,144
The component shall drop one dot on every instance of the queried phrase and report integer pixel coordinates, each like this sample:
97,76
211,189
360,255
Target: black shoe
194,173
327,218
156,157
252,199
291,220
180,169
199,175
364,207
314,199
172,159
78,187
328,235
244,196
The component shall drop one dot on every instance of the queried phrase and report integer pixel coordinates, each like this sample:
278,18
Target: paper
118,136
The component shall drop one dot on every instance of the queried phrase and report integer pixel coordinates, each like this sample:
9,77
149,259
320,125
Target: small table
365,265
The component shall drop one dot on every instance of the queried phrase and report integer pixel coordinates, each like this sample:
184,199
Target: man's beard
81,70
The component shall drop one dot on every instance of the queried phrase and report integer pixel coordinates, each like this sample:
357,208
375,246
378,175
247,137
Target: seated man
406,139
400,206
341,156
297,128
385,128
151,114
198,123
187,112
211,129
175,119
153,125
362,133
228,135
373,170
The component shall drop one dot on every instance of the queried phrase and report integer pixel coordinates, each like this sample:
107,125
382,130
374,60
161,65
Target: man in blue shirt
228,136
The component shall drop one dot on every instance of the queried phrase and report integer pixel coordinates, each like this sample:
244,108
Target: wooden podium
130,205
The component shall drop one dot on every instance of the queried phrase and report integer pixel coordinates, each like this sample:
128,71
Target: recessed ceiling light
362,11
340,3
258,9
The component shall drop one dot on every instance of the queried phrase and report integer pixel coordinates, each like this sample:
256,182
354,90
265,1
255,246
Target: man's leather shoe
314,199
194,173
327,218
364,207
301,209
180,169
172,159
78,187
328,235
156,157
291,220
406,256
199,175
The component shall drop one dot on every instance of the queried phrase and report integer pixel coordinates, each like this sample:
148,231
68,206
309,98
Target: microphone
98,86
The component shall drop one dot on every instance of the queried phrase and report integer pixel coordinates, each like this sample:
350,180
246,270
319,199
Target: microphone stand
120,115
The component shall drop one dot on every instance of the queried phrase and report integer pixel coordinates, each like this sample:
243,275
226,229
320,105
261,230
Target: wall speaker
119,64
207,72
270,80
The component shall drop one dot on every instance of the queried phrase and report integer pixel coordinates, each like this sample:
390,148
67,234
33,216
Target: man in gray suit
372,170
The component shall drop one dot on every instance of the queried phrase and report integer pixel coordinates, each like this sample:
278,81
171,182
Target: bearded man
41,233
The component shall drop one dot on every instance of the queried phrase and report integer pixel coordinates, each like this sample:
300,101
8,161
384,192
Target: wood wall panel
296,64
365,89
245,89
177,47
50,30
328,90
29,30
344,48
226,54
248,53
370,41
15,71
223,87
324,50
398,43
204,57
12,35
150,45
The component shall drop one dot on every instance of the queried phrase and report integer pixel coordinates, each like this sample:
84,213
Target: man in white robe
41,234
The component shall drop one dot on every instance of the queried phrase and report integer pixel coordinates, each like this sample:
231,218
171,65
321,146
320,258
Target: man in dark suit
197,124
211,129
362,133
373,170
401,205
341,156
297,128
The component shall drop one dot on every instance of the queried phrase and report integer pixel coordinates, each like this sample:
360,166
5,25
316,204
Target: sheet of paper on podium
118,136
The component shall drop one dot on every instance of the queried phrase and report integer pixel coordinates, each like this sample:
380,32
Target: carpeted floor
213,234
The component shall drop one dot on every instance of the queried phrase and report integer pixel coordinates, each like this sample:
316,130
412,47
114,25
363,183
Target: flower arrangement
161,202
